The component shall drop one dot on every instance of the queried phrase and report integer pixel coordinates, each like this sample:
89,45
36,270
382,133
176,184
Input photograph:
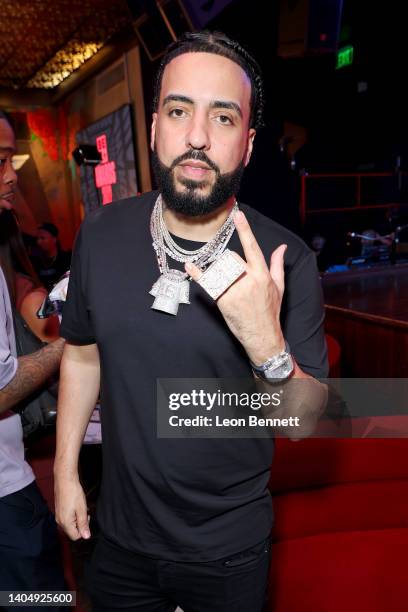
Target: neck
199,229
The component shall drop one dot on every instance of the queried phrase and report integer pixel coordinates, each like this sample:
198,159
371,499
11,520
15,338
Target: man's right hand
78,394
71,511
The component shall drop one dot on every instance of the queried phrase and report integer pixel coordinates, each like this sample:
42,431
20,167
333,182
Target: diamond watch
278,367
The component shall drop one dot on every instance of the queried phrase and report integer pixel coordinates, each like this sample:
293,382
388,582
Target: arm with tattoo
32,371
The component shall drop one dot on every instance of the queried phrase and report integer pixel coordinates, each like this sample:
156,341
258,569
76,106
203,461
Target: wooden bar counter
367,312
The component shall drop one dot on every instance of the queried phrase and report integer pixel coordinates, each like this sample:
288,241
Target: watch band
279,366
272,362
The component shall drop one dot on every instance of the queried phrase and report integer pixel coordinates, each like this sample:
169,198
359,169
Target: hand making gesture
251,305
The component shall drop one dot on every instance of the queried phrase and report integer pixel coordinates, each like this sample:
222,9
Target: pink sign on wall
105,172
114,178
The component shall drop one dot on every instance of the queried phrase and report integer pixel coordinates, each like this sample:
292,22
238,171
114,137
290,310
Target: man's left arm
251,308
302,316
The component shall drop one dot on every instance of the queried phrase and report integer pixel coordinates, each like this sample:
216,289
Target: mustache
195,155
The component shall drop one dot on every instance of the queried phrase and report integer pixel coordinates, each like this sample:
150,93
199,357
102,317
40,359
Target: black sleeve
304,316
76,325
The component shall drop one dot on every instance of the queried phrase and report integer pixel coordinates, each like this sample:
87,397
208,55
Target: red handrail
358,205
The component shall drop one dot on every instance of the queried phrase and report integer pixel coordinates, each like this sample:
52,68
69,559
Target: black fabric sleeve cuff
76,338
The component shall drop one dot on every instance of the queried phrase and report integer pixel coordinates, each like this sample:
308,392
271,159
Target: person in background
319,246
52,262
25,289
29,553
373,244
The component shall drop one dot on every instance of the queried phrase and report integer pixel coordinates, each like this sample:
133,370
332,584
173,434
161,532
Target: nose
9,176
197,136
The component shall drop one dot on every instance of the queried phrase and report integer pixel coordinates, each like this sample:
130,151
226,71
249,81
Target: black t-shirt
179,499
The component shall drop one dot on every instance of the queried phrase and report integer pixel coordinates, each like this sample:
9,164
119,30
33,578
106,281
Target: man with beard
29,554
183,522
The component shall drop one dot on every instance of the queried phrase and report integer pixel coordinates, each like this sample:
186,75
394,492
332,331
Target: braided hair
218,44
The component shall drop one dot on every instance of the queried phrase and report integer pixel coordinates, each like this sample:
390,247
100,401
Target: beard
191,202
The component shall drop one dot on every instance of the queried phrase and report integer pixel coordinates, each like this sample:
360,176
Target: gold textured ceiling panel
43,41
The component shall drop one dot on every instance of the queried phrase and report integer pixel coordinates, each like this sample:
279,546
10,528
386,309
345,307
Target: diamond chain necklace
172,287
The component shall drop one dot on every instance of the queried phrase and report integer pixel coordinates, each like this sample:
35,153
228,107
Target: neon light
102,146
106,194
105,172
345,57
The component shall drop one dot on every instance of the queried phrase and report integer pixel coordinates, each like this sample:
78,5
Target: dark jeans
29,551
122,580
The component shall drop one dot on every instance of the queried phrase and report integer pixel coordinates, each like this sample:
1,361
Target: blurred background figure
373,244
51,262
25,289
320,245
26,295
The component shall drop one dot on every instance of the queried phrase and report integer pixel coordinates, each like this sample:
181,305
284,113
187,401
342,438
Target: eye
224,119
177,112
3,162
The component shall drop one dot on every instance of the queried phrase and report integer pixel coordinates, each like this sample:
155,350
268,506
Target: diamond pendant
221,274
171,289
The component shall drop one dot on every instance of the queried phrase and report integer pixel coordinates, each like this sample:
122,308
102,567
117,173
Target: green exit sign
345,56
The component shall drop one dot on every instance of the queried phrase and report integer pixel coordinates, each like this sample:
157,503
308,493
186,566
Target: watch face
282,371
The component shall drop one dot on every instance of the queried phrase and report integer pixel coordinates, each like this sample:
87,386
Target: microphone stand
398,230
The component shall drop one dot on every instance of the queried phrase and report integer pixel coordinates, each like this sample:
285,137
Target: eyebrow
177,98
214,104
7,150
228,105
